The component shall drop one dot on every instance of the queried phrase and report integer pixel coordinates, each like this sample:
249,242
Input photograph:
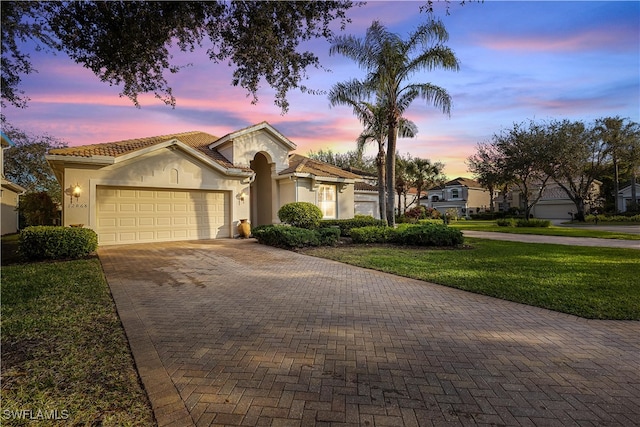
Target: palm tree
390,62
372,117
425,174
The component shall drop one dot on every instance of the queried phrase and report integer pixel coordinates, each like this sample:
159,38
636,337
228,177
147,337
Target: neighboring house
464,195
10,195
193,185
555,203
624,197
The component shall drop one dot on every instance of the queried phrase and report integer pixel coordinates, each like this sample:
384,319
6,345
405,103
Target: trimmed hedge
51,242
373,234
346,225
533,223
430,235
415,235
283,236
613,218
300,214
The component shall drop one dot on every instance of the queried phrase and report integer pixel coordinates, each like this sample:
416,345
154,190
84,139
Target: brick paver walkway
231,332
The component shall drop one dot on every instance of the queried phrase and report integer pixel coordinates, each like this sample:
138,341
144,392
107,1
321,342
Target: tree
576,160
347,161
522,157
38,209
390,62
484,164
621,138
373,118
130,43
424,174
403,181
25,163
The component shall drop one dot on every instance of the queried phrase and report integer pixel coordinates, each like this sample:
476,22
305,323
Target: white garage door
137,215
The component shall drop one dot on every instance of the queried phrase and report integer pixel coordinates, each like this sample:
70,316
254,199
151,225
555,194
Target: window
435,198
327,200
454,193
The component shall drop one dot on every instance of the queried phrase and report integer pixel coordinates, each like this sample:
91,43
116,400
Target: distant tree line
572,154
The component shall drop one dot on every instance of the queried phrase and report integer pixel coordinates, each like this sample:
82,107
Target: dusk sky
519,61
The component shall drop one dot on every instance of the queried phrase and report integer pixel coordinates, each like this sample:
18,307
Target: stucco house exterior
193,185
625,199
465,195
555,202
9,195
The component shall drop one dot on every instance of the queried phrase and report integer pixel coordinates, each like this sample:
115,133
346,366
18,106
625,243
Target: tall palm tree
373,118
390,63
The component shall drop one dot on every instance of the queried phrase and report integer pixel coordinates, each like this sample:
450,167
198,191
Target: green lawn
573,231
595,283
64,352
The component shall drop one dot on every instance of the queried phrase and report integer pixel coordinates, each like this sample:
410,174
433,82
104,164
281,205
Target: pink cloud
609,38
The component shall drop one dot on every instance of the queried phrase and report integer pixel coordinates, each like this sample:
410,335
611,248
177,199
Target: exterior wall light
76,192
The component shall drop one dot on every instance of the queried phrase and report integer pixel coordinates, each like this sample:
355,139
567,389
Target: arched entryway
261,191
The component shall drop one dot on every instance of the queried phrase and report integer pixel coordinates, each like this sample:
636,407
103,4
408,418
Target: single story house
9,196
625,199
466,196
193,185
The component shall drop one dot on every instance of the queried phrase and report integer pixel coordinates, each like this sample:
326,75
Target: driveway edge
168,406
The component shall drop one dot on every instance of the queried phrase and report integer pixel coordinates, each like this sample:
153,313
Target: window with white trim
327,200
455,193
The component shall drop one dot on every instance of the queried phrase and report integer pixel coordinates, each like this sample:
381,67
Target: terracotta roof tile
196,140
301,164
363,186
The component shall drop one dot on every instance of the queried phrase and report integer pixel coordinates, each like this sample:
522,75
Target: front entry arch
261,191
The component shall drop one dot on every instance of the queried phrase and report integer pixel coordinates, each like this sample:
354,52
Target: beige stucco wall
163,168
243,149
9,214
478,198
366,203
306,192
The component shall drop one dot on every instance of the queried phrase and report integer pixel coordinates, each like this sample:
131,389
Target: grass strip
594,283
569,231
65,357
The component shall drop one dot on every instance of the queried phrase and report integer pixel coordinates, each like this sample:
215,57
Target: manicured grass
64,352
595,283
581,231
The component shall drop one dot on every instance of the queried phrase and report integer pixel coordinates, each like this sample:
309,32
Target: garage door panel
127,215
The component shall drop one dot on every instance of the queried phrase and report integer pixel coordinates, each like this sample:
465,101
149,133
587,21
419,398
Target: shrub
328,236
533,223
300,214
626,217
49,242
407,234
372,234
506,222
282,236
429,235
38,209
346,225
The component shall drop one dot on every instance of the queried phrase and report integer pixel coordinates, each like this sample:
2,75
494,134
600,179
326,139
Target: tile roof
195,139
301,164
363,186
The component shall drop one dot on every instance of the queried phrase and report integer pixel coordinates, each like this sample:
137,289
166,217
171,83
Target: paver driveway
232,332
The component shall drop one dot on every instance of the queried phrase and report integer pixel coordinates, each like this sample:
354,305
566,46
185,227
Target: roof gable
288,144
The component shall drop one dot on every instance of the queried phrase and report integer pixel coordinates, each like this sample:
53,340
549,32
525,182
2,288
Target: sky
520,60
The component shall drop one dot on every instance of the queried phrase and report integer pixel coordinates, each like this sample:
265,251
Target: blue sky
519,61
